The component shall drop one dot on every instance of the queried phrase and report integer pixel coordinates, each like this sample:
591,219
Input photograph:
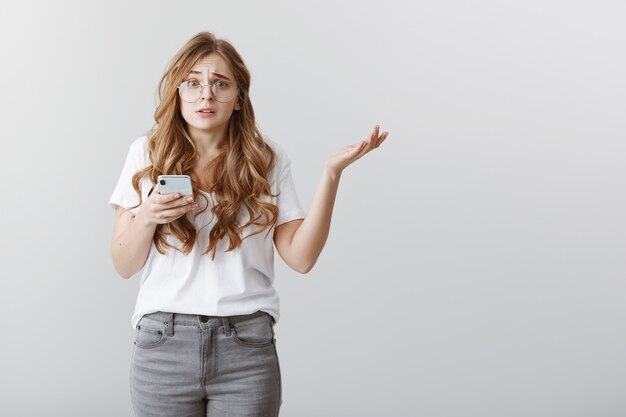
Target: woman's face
210,69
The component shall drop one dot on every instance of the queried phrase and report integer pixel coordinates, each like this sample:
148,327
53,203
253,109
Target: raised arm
300,242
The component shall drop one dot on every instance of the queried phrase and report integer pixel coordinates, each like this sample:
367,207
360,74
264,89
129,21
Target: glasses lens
224,91
191,91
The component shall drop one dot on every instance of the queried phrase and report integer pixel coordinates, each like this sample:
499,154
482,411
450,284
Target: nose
205,94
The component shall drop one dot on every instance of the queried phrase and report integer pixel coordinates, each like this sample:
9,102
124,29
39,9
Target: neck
207,143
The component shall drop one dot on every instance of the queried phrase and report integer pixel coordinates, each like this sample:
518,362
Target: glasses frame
213,91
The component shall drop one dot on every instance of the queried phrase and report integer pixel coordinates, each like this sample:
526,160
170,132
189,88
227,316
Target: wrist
333,174
143,220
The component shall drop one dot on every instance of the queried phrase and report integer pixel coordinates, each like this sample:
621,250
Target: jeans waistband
202,320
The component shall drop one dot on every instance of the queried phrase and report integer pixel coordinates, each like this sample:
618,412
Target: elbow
127,273
125,276
123,267
122,273
306,265
304,269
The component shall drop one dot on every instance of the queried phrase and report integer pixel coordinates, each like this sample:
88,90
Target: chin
208,125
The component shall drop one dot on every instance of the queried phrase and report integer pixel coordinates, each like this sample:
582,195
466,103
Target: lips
206,110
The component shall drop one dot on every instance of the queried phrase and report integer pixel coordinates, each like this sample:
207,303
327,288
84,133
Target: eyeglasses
191,91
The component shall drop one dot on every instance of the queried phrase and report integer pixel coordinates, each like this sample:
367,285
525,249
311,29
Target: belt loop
169,324
226,324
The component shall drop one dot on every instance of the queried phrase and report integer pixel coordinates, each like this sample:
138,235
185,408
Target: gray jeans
188,365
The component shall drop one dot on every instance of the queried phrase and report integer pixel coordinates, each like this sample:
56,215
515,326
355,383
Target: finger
174,213
381,138
372,138
360,148
374,134
168,198
184,201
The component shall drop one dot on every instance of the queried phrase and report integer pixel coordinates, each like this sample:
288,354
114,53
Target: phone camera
162,182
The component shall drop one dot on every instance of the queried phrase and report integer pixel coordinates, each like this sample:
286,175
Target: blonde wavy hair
242,165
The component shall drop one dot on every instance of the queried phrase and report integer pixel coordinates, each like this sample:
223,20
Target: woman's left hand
337,162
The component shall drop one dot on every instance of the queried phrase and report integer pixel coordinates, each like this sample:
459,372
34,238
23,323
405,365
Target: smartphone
180,184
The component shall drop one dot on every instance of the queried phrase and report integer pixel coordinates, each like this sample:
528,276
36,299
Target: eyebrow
215,74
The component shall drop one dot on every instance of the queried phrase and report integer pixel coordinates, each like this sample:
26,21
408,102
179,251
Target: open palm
343,157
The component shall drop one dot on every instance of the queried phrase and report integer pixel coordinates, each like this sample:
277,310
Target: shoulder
138,151
140,144
282,158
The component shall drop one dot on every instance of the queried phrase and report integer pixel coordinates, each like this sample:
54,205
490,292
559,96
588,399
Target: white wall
475,265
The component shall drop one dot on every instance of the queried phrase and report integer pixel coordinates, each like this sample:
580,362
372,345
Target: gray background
475,265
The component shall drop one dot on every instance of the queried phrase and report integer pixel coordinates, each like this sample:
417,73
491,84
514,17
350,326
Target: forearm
130,250
310,238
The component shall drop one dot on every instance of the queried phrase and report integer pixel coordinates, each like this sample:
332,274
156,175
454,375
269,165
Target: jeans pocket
254,333
149,333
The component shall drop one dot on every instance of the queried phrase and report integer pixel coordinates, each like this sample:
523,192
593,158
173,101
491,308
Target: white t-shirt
236,282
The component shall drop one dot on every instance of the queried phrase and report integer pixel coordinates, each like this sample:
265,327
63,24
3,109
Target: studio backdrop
475,263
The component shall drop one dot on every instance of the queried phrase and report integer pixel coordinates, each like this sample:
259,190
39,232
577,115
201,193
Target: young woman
206,308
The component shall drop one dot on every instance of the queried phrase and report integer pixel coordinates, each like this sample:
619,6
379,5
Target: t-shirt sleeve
289,207
124,194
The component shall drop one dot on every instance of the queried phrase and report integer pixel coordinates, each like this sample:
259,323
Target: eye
221,84
192,83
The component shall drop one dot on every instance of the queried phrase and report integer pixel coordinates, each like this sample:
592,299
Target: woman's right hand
165,208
